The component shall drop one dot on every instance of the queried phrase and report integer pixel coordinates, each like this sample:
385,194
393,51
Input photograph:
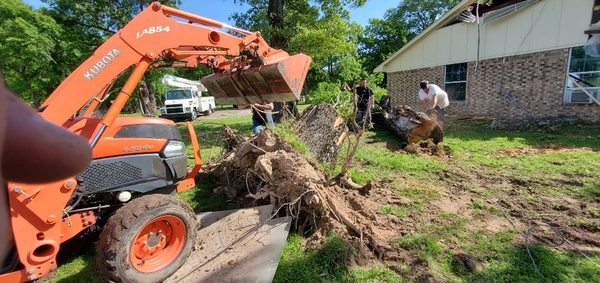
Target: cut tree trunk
322,130
275,17
148,99
412,126
140,106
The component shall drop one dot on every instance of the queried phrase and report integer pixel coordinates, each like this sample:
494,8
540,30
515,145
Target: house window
456,81
585,71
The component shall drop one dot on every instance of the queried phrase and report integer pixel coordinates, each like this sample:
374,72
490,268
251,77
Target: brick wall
403,87
536,81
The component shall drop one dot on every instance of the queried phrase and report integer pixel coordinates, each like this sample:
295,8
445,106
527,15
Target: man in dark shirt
364,96
262,116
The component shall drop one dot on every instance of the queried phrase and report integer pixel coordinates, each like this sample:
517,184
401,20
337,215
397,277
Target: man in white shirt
432,97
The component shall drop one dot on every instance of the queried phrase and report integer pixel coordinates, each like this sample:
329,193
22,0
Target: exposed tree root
346,182
267,169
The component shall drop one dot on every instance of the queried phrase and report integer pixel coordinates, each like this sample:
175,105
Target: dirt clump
466,262
428,147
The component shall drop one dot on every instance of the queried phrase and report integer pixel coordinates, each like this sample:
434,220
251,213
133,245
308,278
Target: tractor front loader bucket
236,246
280,81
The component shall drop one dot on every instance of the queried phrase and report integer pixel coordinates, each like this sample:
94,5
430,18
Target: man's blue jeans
258,125
362,115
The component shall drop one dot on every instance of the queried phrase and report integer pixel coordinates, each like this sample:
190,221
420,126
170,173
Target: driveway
228,113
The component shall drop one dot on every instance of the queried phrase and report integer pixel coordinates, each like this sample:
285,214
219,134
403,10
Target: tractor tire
147,239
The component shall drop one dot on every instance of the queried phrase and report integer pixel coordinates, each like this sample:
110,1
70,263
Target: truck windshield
178,94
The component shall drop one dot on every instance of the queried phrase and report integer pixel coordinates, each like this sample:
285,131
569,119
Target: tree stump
322,130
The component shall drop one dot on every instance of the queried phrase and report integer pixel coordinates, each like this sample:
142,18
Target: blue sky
222,9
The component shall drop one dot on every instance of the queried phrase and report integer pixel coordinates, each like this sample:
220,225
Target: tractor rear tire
147,239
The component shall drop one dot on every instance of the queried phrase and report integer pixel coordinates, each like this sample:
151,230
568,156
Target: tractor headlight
173,149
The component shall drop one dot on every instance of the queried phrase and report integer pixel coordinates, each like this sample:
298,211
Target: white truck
186,100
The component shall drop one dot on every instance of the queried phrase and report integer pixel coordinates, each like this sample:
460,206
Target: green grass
313,266
327,264
424,245
79,269
478,166
553,266
289,135
389,209
203,199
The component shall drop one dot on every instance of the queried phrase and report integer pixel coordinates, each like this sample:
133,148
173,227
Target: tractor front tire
147,239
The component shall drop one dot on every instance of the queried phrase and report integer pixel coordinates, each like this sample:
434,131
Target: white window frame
570,87
457,82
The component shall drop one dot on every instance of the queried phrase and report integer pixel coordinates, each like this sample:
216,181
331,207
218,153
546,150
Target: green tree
382,37
37,51
104,16
321,29
331,42
279,20
420,14
101,19
399,25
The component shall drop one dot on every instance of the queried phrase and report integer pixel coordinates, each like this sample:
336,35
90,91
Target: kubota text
101,64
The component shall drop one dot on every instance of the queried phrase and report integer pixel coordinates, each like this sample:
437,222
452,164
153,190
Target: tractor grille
103,176
174,108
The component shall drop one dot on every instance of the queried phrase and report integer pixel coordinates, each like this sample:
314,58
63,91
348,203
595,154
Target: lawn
463,204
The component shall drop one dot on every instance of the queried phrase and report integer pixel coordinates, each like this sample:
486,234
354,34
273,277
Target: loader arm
154,35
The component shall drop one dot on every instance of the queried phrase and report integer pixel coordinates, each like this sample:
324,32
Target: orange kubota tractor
138,162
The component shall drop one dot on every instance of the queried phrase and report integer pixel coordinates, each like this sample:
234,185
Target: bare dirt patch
451,204
543,149
516,206
570,216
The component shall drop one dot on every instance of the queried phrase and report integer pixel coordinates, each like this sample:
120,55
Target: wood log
412,126
322,130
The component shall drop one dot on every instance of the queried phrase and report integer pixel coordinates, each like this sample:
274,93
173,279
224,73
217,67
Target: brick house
528,50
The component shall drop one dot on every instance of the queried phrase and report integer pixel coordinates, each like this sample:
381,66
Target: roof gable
442,21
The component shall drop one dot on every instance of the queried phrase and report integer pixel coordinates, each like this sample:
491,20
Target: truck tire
209,111
194,114
147,239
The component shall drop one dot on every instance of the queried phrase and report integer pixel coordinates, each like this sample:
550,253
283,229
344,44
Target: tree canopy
37,51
